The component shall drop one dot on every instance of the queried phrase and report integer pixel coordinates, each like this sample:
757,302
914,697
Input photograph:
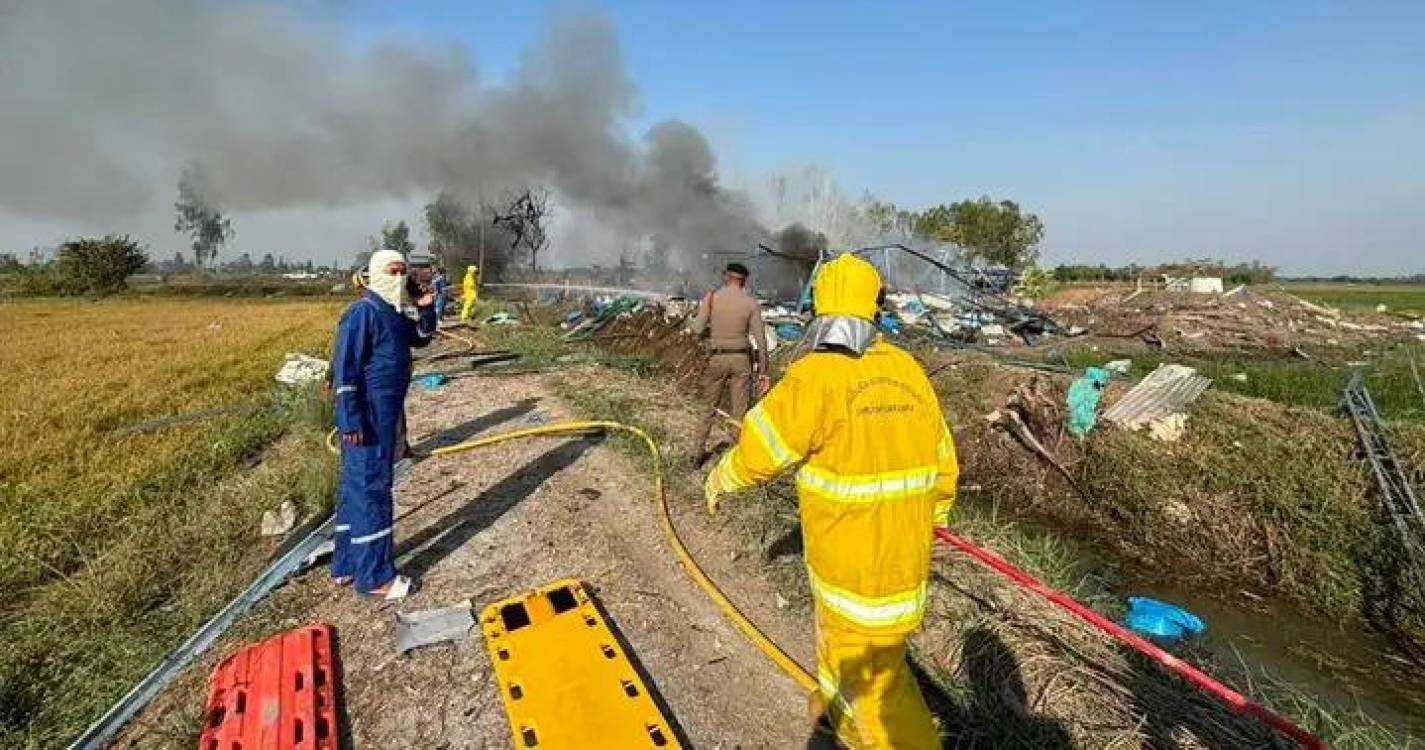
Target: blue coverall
442,293
371,370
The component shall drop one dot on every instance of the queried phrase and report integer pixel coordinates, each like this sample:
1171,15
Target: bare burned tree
526,220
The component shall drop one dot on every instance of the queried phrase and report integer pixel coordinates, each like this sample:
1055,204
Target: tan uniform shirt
732,315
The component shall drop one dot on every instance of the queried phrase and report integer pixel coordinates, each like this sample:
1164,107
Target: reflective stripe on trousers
871,612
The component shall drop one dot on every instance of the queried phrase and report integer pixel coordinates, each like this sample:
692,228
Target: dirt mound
658,332
1073,295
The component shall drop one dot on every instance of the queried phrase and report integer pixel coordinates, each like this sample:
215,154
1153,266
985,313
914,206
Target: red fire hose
1233,699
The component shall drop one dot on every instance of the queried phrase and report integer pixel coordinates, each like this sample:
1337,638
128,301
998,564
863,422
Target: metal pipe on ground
575,288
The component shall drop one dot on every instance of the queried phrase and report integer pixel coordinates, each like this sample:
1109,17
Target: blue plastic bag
432,380
1084,396
1154,619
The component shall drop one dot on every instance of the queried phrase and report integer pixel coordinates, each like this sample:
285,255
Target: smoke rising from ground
103,105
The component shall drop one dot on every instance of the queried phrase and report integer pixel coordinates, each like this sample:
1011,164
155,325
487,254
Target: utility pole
480,277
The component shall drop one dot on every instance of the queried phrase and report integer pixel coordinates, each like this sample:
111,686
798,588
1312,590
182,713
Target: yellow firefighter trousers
868,691
467,306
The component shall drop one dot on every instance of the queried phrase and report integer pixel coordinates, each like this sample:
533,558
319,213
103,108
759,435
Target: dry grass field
116,542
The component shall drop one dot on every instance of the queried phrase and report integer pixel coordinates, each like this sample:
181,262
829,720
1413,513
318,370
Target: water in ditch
1343,666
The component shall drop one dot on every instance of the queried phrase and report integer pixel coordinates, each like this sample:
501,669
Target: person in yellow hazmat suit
469,290
876,471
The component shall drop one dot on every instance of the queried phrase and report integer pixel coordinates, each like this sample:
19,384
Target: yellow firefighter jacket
877,468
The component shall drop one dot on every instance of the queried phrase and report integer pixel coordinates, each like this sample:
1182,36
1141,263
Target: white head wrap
388,286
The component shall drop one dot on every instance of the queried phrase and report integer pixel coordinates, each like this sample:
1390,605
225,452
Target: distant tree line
1239,273
243,264
1418,278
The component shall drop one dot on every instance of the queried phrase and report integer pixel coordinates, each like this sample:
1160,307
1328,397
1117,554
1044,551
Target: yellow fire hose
729,610
469,344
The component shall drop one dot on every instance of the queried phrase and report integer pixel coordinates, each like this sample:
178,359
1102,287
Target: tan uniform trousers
725,372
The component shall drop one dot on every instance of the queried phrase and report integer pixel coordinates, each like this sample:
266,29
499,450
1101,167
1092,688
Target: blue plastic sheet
788,331
1154,619
1084,396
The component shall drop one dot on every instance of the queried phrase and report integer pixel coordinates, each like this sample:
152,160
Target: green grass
76,644
1402,298
545,346
1292,381
1044,552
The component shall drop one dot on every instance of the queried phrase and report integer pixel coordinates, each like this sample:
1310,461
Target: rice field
1407,299
125,540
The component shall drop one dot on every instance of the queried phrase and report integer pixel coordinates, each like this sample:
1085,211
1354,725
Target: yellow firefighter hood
848,286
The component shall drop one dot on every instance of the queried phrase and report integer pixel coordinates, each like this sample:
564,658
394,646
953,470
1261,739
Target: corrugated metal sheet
1166,390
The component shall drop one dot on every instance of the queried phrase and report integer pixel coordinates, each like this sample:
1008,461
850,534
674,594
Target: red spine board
276,695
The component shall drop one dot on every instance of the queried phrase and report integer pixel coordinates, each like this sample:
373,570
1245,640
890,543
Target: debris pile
301,369
1040,412
1239,319
980,318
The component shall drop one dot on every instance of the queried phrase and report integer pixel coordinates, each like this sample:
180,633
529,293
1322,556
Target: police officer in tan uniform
729,315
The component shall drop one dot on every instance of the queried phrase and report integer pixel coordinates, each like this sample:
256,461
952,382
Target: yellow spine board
563,677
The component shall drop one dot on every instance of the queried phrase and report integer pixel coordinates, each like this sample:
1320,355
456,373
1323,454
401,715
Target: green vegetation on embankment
116,544
1290,380
1257,495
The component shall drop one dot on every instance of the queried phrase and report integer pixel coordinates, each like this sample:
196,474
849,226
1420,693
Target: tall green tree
935,223
994,232
199,218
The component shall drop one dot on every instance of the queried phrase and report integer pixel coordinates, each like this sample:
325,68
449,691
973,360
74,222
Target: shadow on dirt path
466,430
423,550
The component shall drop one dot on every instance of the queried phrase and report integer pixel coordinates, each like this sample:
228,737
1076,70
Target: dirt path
999,667
491,523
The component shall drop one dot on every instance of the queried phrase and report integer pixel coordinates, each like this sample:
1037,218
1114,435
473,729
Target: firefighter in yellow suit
469,290
877,470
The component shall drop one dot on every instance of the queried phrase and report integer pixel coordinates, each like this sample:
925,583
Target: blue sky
1292,132
1289,132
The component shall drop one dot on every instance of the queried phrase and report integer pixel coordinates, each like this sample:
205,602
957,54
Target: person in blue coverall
371,370
442,291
